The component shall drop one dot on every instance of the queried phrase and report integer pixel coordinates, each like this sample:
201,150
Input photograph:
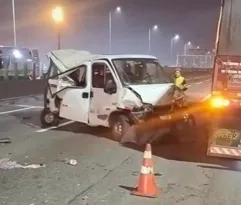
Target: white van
113,91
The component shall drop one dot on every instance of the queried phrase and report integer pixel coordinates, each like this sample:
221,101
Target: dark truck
224,105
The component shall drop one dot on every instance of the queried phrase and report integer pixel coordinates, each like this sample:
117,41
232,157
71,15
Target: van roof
70,58
119,56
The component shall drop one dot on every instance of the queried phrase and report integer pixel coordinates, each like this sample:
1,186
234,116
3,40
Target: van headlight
148,107
129,105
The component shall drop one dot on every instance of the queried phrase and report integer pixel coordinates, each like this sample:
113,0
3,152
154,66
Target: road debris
26,117
72,162
5,140
6,163
85,200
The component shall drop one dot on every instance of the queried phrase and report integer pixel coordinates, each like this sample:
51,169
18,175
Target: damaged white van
115,91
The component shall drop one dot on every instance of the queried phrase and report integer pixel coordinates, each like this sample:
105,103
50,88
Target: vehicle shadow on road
80,128
29,117
194,151
170,149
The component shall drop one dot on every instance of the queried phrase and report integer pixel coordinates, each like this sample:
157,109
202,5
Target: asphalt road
105,170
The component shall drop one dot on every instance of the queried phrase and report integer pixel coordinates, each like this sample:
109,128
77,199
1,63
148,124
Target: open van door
57,81
76,99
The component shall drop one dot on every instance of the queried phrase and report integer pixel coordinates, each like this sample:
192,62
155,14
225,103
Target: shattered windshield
140,71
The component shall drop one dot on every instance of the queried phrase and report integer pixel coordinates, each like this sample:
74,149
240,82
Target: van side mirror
110,87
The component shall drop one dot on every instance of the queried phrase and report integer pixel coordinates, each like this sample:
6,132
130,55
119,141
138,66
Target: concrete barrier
12,89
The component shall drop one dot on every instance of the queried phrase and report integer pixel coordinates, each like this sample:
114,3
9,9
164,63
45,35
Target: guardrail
19,88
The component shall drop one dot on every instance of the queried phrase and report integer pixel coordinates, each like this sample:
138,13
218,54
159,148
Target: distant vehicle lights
17,54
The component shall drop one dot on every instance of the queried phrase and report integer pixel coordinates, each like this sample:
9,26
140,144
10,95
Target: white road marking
15,98
199,83
189,86
17,105
17,110
195,77
200,77
24,106
40,107
54,127
208,96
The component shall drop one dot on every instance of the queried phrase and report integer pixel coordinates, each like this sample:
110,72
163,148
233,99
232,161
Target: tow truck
224,105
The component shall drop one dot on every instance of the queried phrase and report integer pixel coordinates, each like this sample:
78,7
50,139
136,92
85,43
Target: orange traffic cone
146,185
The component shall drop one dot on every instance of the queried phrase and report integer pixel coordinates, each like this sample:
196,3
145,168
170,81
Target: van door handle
85,95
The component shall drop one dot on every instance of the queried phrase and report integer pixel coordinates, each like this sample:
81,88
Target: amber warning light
219,102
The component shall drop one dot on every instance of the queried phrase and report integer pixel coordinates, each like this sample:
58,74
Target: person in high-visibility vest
180,86
179,80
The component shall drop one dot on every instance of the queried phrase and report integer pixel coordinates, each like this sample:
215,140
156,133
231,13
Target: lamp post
58,17
173,39
154,28
186,46
14,23
117,10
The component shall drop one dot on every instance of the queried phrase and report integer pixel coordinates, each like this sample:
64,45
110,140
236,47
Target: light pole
154,28
58,17
186,46
175,38
14,23
118,10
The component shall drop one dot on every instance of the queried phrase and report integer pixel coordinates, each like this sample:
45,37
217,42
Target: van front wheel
48,119
119,126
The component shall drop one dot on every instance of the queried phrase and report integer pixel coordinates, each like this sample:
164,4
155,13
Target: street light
154,28
198,47
186,46
174,39
14,23
117,10
58,17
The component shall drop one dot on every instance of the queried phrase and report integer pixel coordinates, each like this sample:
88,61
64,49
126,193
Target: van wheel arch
119,122
115,114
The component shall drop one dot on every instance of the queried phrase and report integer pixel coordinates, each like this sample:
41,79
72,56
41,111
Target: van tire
48,118
119,125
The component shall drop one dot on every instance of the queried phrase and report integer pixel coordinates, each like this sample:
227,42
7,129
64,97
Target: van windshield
140,71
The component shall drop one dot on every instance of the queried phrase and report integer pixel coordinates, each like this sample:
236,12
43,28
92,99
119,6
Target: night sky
86,25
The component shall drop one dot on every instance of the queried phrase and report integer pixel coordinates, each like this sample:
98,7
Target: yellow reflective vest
180,82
